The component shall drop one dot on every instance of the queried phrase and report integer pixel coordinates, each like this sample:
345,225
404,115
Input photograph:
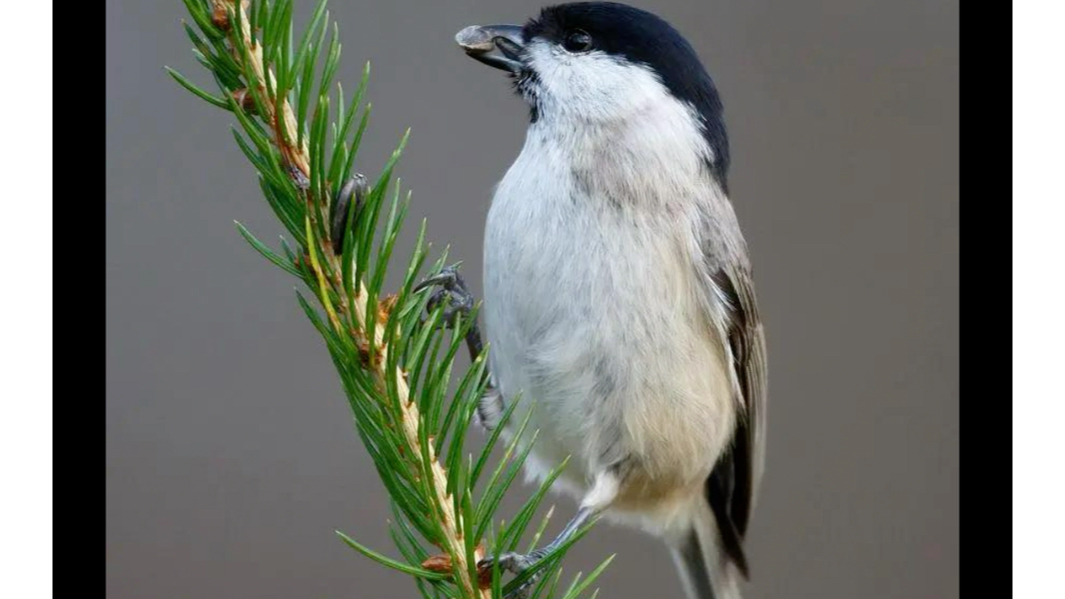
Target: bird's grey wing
731,488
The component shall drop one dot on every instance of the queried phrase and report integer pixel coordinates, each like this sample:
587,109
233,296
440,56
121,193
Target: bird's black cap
643,38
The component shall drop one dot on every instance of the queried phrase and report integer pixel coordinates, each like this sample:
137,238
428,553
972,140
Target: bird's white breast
592,309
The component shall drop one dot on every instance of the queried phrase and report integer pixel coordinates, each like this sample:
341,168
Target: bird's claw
452,290
516,563
460,301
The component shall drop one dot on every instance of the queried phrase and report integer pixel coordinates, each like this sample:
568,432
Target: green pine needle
395,362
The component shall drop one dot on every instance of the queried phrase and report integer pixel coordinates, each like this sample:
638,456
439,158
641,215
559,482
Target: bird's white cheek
594,86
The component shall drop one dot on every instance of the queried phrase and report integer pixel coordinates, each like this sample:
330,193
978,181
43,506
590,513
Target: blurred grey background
231,456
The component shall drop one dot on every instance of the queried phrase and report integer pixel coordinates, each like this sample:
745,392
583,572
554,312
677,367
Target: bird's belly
596,323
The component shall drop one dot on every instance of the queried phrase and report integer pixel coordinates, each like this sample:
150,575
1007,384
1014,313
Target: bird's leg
491,407
460,301
601,495
349,199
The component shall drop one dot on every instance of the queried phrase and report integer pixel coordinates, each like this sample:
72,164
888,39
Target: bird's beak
497,46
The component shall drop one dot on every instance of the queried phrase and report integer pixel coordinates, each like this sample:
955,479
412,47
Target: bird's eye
578,41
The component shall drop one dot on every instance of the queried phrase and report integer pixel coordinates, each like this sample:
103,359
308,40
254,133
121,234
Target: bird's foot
516,563
452,290
519,563
459,300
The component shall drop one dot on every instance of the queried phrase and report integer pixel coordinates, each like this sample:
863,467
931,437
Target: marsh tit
618,292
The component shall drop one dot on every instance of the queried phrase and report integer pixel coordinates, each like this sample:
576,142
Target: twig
298,156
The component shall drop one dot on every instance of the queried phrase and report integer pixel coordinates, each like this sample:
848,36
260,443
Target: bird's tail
705,569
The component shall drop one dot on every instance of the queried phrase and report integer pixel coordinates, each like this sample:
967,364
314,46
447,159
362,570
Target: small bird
618,293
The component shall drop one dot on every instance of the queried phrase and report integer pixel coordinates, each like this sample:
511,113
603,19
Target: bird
619,298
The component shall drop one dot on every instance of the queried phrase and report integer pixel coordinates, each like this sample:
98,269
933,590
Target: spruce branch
392,351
